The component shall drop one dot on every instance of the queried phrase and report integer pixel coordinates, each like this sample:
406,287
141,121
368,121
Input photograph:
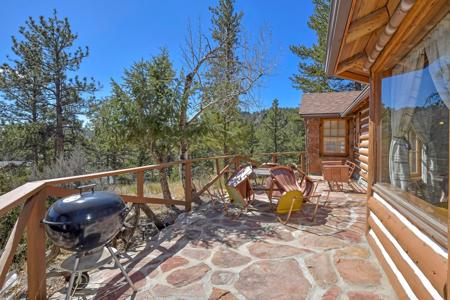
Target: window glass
414,119
334,136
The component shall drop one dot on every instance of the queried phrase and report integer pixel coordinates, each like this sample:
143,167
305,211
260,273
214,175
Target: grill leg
72,278
122,269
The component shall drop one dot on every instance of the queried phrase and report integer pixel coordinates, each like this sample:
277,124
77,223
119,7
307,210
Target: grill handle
87,186
55,223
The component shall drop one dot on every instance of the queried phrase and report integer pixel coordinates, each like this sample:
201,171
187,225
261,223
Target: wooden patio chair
291,194
301,174
352,166
239,189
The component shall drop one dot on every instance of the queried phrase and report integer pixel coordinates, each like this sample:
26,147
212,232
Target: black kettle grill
85,223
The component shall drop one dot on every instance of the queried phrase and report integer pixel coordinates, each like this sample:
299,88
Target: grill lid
85,221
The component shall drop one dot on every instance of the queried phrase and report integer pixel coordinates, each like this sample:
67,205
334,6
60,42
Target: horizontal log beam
393,278
433,265
367,24
356,60
413,280
364,136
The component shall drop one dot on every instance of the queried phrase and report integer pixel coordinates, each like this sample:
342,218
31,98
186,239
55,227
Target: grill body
85,221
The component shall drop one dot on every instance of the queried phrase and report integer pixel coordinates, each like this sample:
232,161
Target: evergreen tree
224,69
108,142
22,82
311,75
147,105
273,136
65,94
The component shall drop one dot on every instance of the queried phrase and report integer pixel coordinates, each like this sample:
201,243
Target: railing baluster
140,185
36,265
188,185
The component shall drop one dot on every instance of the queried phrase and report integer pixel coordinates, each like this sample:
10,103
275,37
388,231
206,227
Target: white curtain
437,47
404,89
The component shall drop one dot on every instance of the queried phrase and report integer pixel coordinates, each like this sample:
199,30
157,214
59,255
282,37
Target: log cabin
337,128
401,49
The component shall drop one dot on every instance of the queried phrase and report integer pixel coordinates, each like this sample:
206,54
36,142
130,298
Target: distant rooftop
5,163
331,103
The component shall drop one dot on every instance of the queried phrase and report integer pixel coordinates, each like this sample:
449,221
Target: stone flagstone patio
206,255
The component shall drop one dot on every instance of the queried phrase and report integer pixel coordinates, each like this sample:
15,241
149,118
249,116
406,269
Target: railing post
274,158
36,264
140,185
303,162
237,161
188,185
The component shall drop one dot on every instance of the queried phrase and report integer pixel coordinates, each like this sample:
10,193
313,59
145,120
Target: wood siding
412,250
361,146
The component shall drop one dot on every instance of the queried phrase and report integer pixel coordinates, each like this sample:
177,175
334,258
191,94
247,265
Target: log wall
361,145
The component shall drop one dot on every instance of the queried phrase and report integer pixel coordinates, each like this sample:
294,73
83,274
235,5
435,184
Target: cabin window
415,122
334,137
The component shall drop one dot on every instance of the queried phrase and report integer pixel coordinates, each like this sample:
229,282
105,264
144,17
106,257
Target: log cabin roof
326,104
364,35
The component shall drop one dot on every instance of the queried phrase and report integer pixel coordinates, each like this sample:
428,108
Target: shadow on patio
206,255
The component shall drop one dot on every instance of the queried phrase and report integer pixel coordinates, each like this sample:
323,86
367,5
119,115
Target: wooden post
374,107
218,173
188,185
140,185
274,158
36,264
237,161
302,162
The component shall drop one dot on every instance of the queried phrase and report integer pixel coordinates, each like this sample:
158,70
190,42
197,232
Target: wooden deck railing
33,196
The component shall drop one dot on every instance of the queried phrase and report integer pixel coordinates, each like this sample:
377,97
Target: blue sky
119,33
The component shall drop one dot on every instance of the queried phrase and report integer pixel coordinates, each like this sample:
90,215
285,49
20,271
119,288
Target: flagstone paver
206,255
321,269
273,279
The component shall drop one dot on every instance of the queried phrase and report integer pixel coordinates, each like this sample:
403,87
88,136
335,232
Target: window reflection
414,120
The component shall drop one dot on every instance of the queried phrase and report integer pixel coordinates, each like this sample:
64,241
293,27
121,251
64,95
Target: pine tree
311,75
147,105
22,81
224,68
274,136
65,94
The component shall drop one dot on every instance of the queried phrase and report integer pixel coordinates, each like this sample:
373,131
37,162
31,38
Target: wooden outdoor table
261,173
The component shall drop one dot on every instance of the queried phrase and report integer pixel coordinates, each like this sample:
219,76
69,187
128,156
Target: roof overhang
321,115
337,22
358,100
371,35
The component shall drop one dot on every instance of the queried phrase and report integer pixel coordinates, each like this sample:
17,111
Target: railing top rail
17,196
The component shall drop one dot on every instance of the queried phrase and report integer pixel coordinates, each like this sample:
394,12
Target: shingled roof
332,103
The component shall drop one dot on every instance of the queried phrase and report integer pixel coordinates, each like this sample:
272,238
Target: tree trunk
35,146
164,184
163,178
59,130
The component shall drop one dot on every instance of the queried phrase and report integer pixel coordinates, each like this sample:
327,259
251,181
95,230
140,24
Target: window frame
418,156
322,136
425,216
